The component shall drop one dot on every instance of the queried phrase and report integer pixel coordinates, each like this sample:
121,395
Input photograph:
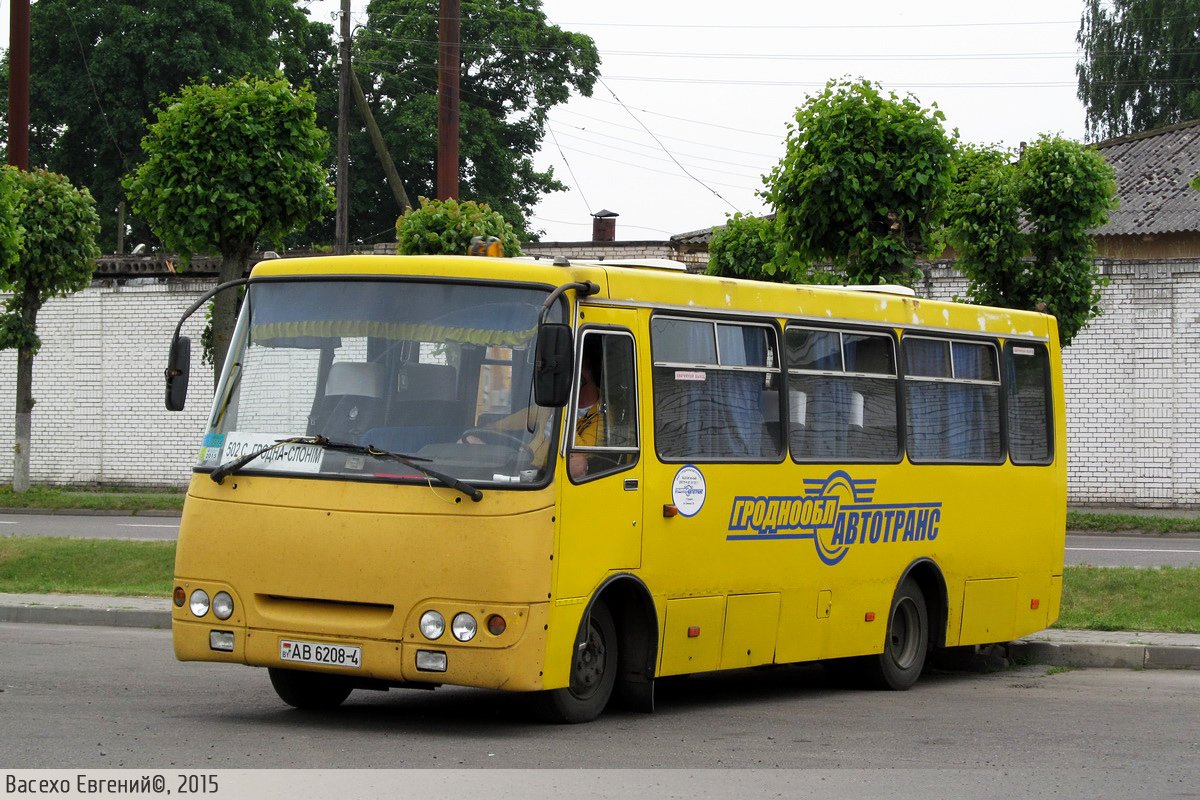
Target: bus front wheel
904,649
310,690
593,673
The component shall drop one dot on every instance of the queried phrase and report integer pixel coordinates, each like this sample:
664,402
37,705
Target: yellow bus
572,479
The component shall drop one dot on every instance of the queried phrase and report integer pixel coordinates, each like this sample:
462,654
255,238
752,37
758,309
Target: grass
1115,523
95,500
51,565
1131,599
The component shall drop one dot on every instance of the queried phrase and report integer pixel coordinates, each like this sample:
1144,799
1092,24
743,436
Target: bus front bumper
515,667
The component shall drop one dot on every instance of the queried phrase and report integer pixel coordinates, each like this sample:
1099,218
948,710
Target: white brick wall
98,389
1132,387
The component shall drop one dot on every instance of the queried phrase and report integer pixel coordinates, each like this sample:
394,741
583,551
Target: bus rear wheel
312,691
593,673
907,642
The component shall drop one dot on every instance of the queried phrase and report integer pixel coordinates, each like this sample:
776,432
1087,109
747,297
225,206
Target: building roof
1153,170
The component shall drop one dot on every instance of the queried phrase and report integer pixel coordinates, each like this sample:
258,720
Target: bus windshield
437,371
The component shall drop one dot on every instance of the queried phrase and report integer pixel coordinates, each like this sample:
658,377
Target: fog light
430,661
199,602
221,640
222,605
496,625
433,624
464,627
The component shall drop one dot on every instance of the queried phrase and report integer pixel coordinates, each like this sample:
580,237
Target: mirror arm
204,299
582,289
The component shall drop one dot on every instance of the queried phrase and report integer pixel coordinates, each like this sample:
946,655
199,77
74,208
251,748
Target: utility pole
449,64
341,223
18,85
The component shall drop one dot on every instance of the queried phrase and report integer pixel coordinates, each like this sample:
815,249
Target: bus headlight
199,602
222,605
464,627
432,624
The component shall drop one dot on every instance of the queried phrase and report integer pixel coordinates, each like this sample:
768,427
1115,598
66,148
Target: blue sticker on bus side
687,491
836,513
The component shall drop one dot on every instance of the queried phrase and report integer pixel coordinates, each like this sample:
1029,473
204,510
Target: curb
91,512
1103,654
79,615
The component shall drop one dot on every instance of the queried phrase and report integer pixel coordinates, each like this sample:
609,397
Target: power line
658,158
664,147
671,138
578,185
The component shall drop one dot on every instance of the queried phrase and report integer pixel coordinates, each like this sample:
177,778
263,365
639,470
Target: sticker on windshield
687,491
210,450
294,457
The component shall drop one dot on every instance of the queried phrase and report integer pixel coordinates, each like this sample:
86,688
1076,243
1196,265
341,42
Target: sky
692,106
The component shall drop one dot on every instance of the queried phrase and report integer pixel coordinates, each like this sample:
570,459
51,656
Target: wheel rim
904,634
588,672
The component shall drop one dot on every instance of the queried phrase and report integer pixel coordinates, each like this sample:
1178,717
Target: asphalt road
1099,550
78,698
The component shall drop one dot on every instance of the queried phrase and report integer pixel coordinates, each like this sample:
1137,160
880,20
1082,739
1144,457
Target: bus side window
716,394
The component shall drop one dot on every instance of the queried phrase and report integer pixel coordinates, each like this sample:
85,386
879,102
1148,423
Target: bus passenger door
601,526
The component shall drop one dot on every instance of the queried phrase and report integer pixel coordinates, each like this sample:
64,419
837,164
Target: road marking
134,525
10,522
1127,550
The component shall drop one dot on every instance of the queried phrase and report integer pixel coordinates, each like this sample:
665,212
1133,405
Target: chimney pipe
604,226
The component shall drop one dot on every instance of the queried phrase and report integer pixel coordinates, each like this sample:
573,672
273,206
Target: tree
745,247
228,164
58,256
98,67
448,227
515,68
861,184
1063,190
1141,64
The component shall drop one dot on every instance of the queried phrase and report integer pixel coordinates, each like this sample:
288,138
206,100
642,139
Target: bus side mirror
553,365
179,363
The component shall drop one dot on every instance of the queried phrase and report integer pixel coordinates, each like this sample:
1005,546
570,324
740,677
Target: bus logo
837,513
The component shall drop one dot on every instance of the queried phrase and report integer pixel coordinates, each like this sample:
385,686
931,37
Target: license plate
330,655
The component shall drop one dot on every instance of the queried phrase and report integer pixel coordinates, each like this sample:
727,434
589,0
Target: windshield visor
439,371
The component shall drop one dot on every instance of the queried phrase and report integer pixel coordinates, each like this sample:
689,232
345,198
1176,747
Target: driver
589,422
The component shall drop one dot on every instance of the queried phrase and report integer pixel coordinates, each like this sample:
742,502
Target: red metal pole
449,64
18,85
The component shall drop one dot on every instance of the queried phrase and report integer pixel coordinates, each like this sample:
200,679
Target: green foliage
58,252
11,230
448,226
984,227
1063,190
1139,65
98,67
229,163
1066,189
516,66
225,165
745,248
861,184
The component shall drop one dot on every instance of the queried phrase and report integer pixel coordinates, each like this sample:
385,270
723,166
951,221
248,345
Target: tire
593,674
312,691
906,643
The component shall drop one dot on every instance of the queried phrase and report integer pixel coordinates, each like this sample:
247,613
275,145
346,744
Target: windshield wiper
225,470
